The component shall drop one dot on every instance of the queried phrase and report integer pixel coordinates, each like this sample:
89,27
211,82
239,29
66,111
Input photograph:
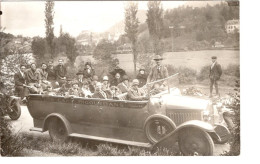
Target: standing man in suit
158,72
20,83
214,75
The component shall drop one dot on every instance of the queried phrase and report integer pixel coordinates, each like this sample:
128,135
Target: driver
135,93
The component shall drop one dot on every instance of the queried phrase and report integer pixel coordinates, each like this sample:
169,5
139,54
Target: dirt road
25,122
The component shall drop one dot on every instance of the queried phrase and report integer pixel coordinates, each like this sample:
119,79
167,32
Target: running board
36,129
132,143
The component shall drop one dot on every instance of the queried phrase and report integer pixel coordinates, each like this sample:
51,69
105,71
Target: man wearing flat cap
158,72
214,75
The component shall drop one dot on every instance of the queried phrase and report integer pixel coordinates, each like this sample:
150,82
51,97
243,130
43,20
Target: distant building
232,25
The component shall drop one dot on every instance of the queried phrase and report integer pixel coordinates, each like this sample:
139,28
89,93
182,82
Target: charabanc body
162,120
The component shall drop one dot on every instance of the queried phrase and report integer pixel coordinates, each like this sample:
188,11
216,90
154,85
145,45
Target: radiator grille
180,117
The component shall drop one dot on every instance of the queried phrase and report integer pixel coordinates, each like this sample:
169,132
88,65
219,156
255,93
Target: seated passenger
105,84
75,90
80,78
20,83
64,89
32,79
135,93
99,93
85,90
49,91
116,80
142,77
124,85
115,91
92,84
43,75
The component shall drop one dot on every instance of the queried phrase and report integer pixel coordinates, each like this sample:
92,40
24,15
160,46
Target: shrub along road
25,122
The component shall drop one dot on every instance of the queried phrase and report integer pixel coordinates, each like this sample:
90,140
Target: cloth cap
213,57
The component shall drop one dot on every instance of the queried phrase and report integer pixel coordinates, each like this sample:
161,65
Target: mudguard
13,98
170,139
59,116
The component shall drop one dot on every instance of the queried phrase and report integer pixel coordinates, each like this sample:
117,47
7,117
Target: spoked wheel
57,130
15,112
195,142
157,128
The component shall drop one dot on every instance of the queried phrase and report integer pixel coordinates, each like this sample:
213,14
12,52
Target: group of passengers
52,80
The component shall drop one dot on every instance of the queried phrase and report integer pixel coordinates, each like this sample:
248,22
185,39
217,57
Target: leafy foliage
11,144
235,132
155,24
39,46
131,27
49,14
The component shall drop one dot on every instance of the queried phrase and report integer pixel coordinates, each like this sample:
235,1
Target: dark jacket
100,94
123,88
60,72
142,79
32,76
19,80
156,74
115,82
51,74
136,95
215,72
88,74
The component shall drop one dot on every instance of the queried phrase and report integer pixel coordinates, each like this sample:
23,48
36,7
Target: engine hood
184,102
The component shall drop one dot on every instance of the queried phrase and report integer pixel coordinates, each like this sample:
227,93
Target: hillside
120,26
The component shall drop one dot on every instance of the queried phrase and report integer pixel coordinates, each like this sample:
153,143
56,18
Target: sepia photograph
119,78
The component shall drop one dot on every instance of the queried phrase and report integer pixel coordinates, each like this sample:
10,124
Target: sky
27,18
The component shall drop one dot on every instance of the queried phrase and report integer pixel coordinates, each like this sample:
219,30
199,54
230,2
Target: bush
232,70
204,73
186,75
11,144
235,132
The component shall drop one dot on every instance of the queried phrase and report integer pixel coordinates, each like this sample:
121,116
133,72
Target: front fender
170,139
13,98
59,116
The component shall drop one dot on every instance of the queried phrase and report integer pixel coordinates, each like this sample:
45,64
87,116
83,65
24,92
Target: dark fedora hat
80,73
158,57
213,57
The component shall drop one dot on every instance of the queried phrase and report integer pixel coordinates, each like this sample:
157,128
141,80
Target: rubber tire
153,139
189,137
16,110
225,129
57,130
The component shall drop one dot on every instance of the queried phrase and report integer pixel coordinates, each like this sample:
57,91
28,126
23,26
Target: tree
66,44
131,27
155,24
103,51
49,25
38,46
